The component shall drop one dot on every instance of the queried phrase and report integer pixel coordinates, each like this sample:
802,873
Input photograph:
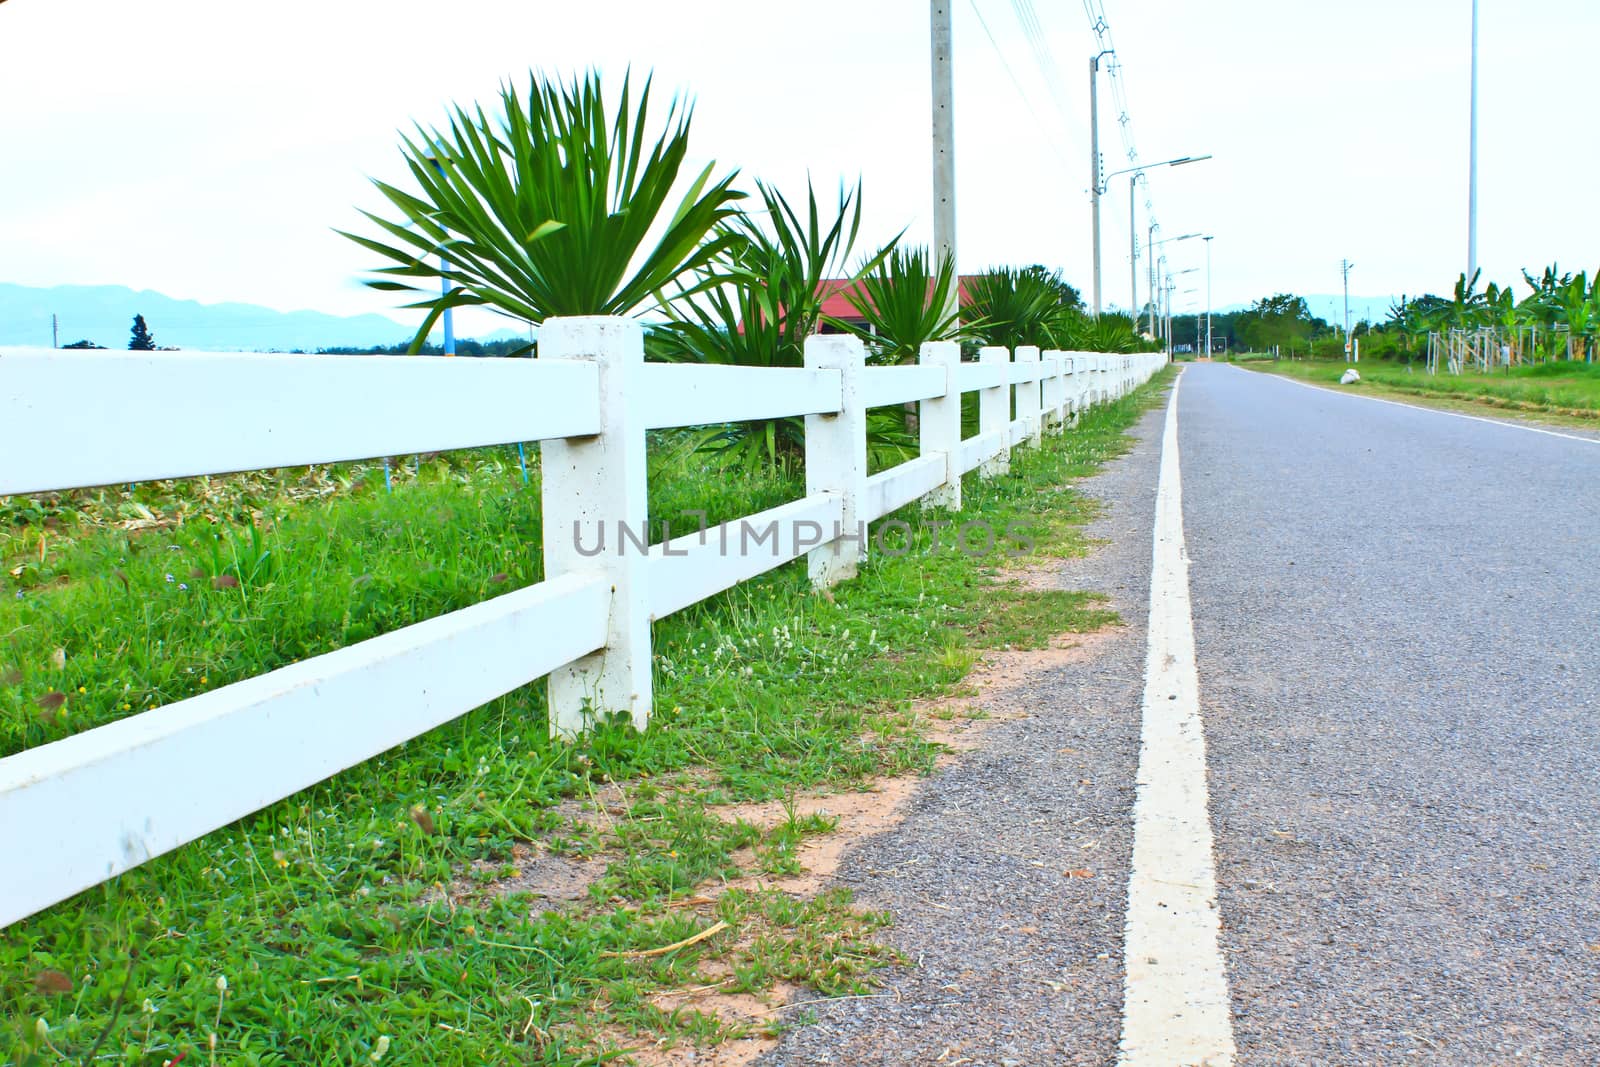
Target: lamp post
1096,185
1103,183
1172,284
1472,159
1154,271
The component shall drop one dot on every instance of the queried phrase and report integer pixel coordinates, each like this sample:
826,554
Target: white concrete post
1028,396
994,412
939,424
595,515
836,460
1074,388
1055,390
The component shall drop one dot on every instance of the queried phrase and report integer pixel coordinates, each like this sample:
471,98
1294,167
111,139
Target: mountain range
104,314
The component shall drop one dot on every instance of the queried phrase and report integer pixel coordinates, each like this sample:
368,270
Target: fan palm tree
1015,307
556,205
764,300
905,301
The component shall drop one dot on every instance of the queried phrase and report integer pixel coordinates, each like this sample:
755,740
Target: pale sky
207,149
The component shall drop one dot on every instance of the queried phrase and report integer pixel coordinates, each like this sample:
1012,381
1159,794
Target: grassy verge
1568,393
378,915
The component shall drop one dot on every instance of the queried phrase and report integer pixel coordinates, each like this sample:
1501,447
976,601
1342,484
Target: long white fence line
79,811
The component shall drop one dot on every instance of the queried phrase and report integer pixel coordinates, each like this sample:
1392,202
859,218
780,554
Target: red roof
835,293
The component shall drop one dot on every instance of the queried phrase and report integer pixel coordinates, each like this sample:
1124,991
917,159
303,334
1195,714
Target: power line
1057,146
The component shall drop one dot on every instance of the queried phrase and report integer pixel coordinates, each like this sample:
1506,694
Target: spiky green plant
1111,332
905,302
555,206
767,299
1017,307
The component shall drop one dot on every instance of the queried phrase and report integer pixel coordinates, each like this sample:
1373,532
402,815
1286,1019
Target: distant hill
104,313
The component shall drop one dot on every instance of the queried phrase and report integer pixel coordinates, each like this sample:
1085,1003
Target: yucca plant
1016,307
906,301
763,299
555,206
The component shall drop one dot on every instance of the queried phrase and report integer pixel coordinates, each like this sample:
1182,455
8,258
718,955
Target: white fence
76,812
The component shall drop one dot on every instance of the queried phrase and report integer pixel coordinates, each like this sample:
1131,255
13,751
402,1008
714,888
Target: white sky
207,149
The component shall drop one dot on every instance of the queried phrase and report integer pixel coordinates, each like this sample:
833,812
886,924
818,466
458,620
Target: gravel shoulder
1008,877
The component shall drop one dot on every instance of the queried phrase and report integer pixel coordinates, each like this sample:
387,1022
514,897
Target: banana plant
1466,302
1500,308
1579,305
555,205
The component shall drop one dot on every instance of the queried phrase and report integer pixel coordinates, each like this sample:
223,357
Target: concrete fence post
994,412
939,424
836,460
1055,390
1028,396
595,507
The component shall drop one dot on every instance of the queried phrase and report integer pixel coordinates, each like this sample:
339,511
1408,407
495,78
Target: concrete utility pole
944,141
55,335
1208,294
1150,254
1133,257
1344,267
1472,159
1094,167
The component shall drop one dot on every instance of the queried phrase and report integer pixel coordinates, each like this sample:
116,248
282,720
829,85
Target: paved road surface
1397,628
1397,616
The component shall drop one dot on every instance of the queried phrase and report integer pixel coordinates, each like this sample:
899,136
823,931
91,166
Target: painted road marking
1424,407
1175,997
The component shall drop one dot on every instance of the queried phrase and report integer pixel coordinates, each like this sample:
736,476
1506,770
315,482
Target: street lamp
1096,184
1133,248
1150,246
1171,285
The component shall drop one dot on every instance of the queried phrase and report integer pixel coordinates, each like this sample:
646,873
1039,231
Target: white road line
1425,407
1175,1000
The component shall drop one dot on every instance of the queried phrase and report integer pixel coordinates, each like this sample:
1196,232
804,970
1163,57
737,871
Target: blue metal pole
522,461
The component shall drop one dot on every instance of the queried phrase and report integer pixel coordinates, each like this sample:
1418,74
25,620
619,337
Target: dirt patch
539,872
858,815
751,1014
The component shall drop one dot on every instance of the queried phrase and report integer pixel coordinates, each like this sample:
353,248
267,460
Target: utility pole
944,141
1208,295
1133,258
1150,255
55,336
1472,159
1344,266
1094,167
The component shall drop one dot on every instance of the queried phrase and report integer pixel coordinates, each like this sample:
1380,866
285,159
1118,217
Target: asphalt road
1397,616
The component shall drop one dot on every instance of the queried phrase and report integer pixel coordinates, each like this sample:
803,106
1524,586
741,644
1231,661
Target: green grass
325,912
1560,388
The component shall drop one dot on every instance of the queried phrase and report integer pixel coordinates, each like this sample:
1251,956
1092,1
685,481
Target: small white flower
222,983
381,1048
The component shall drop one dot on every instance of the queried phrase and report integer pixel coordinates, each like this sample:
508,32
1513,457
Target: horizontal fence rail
69,419
79,811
